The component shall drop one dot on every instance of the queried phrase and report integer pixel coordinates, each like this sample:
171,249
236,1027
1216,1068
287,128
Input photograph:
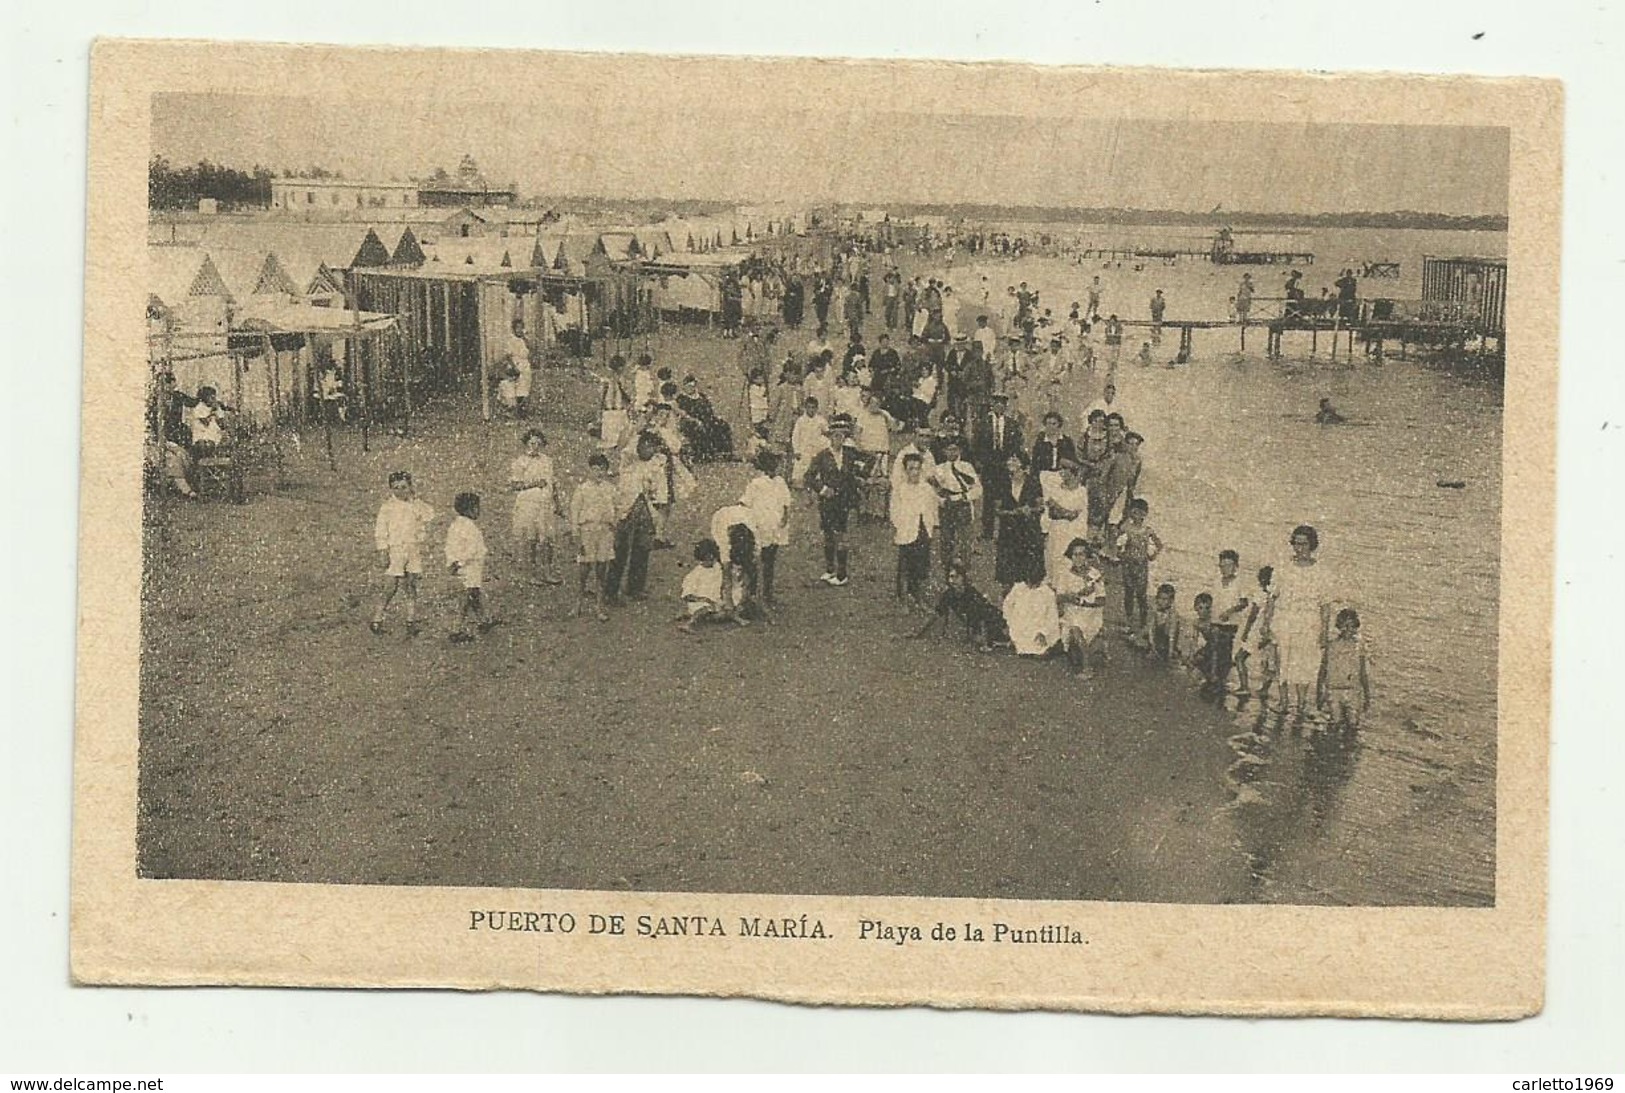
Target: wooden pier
1340,336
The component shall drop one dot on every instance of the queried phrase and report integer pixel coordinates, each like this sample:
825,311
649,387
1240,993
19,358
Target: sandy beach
826,753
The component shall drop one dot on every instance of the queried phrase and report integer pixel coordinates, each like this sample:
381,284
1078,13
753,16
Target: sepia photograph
677,484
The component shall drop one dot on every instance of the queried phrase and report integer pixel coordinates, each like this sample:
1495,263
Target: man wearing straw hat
835,479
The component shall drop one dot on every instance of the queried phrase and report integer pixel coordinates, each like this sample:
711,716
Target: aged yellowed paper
868,532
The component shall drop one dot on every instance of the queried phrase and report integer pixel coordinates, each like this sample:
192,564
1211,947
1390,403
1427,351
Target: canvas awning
281,316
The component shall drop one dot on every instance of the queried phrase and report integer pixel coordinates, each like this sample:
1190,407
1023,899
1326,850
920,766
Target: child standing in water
465,557
1257,641
1195,645
1137,544
398,534
1230,609
1162,630
1344,689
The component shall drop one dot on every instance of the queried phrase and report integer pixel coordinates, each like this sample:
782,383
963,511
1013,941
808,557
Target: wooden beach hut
1470,289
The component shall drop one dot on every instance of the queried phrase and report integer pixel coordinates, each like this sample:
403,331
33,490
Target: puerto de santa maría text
780,928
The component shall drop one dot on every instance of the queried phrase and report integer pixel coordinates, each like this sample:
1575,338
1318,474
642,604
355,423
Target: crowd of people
920,435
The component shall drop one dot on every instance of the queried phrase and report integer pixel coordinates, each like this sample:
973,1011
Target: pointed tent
372,252
654,242
618,245
251,273
573,253
175,274
408,252
544,254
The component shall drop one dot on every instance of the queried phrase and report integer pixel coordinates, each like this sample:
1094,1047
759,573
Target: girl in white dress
1298,618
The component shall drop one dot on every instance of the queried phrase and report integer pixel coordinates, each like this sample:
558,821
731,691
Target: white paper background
45,1026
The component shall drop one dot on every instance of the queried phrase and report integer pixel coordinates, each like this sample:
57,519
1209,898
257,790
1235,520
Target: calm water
1233,459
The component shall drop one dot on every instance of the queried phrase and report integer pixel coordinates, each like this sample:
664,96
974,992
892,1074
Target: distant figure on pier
1348,304
1159,305
1294,294
1244,297
1094,300
1327,414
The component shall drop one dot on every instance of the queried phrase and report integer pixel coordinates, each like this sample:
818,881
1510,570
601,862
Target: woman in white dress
1298,618
1065,516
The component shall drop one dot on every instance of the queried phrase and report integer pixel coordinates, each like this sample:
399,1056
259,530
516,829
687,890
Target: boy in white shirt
535,506
767,496
808,437
914,520
465,557
398,535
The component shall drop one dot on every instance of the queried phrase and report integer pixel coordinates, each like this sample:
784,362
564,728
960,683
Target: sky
622,148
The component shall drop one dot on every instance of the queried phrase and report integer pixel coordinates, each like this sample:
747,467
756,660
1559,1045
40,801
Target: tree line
171,187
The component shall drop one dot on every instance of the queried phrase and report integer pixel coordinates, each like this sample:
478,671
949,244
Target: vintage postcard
862,532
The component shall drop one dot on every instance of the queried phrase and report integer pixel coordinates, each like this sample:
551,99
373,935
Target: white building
328,195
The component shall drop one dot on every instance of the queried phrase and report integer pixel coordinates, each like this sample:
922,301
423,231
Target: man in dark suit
1053,445
977,380
995,436
835,478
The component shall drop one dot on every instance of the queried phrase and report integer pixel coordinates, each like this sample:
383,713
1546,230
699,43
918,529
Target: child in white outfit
398,535
465,557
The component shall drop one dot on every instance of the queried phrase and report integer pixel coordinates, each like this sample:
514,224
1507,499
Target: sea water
1233,459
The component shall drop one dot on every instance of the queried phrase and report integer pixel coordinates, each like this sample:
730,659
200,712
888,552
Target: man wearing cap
959,487
995,436
951,429
953,372
834,478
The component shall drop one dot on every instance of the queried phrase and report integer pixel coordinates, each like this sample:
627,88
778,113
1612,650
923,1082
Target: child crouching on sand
465,557
702,589
962,603
1344,687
